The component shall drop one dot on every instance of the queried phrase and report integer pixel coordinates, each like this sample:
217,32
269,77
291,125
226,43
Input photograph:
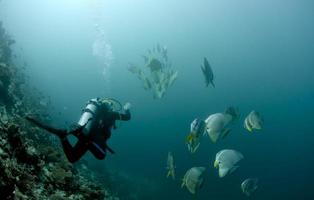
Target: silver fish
253,121
193,179
208,73
193,139
170,166
249,186
226,161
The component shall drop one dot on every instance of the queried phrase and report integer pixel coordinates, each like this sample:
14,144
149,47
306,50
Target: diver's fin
59,132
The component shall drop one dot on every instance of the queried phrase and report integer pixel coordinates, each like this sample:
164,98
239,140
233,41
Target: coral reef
7,85
31,165
5,45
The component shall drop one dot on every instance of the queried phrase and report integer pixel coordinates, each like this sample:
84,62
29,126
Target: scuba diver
92,130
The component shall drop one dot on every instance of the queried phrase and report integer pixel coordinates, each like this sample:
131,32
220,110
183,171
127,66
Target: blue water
261,53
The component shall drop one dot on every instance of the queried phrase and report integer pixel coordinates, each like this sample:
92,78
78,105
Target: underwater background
262,55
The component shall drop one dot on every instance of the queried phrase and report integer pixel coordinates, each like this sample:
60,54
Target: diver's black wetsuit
96,142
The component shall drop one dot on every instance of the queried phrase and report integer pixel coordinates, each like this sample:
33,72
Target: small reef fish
193,179
249,186
170,166
193,139
208,73
226,161
253,121
217,125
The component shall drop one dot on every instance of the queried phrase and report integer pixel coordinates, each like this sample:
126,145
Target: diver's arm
122,116
126,116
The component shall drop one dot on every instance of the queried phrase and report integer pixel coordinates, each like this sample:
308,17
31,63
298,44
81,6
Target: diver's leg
74,153
77,130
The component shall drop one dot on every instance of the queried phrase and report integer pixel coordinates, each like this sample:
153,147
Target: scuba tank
91,115
95,111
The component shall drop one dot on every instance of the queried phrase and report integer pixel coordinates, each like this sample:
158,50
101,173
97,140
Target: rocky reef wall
31,167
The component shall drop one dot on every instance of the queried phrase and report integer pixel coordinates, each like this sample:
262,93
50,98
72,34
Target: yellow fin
249,129
248,126
190,137
216,164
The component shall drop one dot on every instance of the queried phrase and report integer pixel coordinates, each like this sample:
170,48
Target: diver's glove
127,106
